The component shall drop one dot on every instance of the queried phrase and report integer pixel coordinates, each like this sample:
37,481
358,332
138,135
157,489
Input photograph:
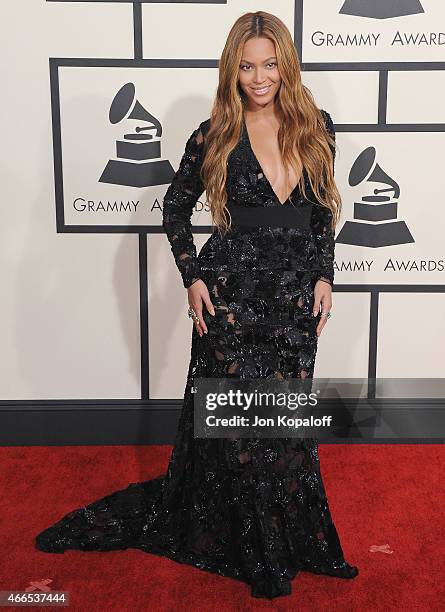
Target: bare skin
258,68
198,295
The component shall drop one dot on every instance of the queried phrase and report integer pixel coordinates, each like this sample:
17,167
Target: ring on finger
192,314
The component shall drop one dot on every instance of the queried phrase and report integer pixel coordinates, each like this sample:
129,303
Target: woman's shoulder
204,126
328,121
198,134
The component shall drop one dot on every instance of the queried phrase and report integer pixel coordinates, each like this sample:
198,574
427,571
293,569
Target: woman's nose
259,76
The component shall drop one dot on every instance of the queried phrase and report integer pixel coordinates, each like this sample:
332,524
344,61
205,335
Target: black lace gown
251,509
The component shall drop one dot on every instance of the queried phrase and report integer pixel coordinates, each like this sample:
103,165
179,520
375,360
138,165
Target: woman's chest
282,178
247,183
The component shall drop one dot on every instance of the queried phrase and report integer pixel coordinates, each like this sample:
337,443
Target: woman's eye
248,66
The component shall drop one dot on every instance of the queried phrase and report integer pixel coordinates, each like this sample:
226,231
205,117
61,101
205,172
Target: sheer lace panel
179,201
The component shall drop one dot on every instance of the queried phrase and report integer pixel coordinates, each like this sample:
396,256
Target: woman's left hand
323,300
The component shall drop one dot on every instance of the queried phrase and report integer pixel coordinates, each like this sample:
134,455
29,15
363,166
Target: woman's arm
321,225
181,196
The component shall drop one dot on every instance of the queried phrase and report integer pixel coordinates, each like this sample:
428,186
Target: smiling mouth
261,90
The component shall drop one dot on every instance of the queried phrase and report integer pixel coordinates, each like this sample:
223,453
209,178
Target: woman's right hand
198,294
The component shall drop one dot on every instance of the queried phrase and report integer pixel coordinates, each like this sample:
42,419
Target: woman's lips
262,91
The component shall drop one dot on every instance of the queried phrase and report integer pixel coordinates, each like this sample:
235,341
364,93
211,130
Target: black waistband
282,215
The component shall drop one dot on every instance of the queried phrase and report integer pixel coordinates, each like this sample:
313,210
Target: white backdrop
80,260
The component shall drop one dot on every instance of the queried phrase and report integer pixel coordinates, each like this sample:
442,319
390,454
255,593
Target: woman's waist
232,263
280,216
263,248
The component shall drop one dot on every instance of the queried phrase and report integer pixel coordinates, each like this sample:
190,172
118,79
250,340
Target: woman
251,509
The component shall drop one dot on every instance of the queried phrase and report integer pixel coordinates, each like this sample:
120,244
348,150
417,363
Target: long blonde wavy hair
302,125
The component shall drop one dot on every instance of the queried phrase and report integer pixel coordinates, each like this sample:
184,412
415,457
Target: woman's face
259,77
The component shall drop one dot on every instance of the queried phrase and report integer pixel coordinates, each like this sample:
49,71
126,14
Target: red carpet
378,494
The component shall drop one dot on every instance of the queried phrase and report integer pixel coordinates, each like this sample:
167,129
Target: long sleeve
179,201
321,226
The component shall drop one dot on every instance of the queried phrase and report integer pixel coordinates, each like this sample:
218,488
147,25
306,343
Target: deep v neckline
268,183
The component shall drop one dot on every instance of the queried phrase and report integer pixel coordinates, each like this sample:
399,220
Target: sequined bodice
270,242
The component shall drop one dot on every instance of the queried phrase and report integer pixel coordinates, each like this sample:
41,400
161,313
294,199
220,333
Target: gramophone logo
138,160
381,9
376,214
